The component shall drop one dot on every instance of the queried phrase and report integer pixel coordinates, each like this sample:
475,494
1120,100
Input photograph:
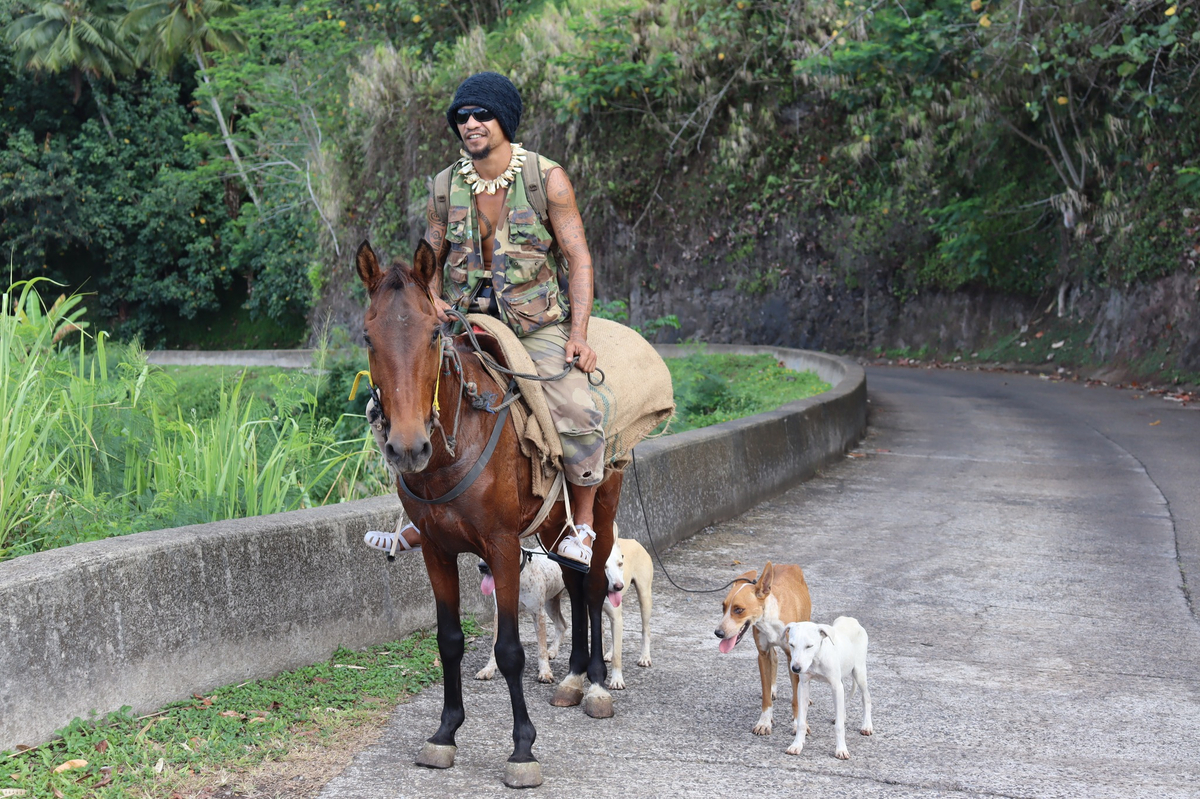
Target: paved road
1017,550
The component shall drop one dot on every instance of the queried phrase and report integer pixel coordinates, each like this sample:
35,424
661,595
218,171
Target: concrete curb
146,619
287,359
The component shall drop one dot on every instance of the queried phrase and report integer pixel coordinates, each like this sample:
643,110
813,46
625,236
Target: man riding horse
499,257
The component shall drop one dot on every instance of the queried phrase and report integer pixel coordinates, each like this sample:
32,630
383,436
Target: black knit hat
492,91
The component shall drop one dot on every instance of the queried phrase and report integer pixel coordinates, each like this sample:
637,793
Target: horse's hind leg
522,769
570,691
439,750
597,702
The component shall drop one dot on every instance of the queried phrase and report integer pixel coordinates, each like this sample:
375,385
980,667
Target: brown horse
404,347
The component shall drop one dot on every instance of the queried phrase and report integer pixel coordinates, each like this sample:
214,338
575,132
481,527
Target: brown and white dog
542,590
766,605
628,563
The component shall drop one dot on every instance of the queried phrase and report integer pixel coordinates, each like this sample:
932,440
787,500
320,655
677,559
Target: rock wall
790,291
802,285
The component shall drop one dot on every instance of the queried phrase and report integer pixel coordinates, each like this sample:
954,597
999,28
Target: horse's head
402,335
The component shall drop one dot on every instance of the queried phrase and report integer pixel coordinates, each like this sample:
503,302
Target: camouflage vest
524,277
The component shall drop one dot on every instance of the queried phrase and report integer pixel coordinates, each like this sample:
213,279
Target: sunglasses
481,115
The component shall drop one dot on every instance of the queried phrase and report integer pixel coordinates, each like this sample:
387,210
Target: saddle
634,398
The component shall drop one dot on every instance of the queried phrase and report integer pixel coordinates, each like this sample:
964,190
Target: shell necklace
479,185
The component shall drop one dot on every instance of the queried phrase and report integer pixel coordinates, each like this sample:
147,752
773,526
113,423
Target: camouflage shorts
572,408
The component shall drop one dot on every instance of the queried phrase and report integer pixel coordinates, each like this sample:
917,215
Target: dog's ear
826,632
763,589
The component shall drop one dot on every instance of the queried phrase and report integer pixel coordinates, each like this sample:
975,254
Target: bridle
483,402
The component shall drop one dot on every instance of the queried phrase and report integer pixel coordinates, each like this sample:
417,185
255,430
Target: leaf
70,764
158,767
1156,421
349,666
102,746
985,22
1126,69
1170,12
233,714
12,791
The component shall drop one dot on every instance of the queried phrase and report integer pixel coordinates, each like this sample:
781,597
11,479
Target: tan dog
766,605
627,563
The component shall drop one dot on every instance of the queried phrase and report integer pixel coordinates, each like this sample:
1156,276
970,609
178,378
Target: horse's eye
367,340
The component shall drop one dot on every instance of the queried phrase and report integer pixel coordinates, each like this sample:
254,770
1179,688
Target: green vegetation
711,388
187,161
97,442
198,741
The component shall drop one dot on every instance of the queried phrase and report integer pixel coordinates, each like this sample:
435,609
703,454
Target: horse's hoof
567,696
523,775
436,755
598,706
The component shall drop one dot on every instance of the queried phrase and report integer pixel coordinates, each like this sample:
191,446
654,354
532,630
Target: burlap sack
636,395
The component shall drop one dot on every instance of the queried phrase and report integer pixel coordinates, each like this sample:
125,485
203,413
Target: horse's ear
368,266
425,264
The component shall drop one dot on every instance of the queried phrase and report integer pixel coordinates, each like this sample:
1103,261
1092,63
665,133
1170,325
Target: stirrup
387,542
573,552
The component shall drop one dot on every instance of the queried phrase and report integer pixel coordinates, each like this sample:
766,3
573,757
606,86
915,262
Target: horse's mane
397,277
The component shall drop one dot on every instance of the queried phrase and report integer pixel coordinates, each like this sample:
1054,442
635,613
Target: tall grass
92,448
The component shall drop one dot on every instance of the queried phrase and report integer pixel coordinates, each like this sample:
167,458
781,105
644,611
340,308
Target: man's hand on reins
587,355
440,306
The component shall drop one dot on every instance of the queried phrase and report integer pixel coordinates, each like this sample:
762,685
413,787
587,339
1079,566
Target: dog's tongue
727,644
614,597
487,585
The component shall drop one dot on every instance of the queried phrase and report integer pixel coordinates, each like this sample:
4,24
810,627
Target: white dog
830,653
627,563
542,591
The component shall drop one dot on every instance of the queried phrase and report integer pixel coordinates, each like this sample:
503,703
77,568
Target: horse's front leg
522,769
439,750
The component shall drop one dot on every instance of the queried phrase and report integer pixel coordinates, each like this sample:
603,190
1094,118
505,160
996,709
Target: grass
97,442
198,742
711,388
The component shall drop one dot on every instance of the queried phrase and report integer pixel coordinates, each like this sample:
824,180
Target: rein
480,464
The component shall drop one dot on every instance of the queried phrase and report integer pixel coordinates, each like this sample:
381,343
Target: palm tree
82,37
171,29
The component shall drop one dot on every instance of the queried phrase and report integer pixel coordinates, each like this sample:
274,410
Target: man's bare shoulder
559,191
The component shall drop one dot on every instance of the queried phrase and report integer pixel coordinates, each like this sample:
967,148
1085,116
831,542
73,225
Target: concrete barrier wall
146,619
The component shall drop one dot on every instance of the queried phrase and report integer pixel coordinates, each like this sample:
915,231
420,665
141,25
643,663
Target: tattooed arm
568,232
435,234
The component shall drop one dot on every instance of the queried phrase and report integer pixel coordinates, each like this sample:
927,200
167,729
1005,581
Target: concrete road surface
1020,552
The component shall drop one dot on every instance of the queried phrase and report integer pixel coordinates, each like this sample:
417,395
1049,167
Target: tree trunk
99,104
237,161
